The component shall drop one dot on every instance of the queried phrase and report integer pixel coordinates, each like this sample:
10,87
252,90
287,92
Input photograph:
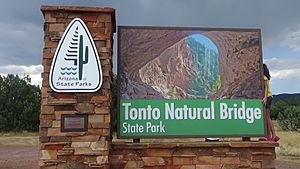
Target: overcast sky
21,29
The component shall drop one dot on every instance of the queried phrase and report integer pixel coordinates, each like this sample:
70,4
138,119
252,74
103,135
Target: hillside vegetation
19,104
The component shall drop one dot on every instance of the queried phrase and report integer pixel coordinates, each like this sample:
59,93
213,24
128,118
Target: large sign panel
189,82
76,66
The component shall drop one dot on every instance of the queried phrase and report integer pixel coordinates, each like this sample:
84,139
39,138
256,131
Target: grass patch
289,144
19,138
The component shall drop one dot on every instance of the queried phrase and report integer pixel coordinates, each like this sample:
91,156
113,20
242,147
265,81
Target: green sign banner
190,118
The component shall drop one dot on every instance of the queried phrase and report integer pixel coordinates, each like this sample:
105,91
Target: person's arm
266,93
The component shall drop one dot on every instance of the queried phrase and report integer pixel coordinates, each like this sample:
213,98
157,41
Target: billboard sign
189,82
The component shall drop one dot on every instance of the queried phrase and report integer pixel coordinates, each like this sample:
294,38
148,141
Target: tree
278,107
289,119
19,104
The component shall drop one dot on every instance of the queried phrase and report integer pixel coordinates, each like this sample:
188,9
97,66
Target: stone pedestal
90,149
200,155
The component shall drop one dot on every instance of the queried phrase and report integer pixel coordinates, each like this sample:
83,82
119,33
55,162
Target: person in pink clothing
267,101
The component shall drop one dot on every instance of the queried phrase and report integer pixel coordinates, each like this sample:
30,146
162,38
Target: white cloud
283,68
285,74
34,71
289,37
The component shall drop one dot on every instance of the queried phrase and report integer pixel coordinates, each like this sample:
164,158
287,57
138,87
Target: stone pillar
89,149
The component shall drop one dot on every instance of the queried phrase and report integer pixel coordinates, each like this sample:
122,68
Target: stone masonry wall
81,149
201,155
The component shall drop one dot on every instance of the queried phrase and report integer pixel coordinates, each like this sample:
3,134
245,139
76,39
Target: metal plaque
74,122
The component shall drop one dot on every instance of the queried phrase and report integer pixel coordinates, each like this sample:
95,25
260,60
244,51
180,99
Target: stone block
96,118
56,123
209,167
89,18
101,110
134,164
159,152
153,161
48,167
55,132
74,15
95,24
100,44
89,138
54,146
207,160
95,132
63,96
60,14
43,131
59,113
66,151
47,70
50,44
230,160
99,99
104,18
182,160
188,167
268,163
114,159
44,139
106,73
132,156
80,144
107,118
108,28
100,36
56,27
45,122
85,151
105,55
99,145
256,164
48,154
102,159
48,55
104,50
99,125
85,108
47,110
60,139
97,30
184,153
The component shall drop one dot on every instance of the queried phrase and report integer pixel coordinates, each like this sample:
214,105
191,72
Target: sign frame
65,116
191,29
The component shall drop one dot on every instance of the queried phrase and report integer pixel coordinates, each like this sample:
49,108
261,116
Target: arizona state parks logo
76,66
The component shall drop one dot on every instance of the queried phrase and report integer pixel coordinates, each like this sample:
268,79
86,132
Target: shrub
289,119
278,107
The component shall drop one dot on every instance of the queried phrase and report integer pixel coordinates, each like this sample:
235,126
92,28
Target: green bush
289,119
278,107
19,104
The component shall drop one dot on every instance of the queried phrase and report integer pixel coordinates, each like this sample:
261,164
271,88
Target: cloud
34,71
291,39
283,68
20,44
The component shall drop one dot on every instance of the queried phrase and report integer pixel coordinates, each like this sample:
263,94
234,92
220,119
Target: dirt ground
25,157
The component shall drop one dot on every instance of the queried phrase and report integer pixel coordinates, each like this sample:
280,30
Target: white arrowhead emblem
76,66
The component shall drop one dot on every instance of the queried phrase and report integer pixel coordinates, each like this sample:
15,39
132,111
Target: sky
21,29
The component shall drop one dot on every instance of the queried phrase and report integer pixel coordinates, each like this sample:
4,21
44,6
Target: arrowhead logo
76,66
